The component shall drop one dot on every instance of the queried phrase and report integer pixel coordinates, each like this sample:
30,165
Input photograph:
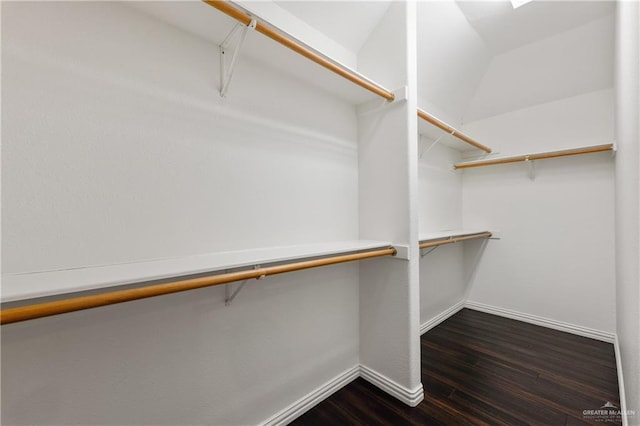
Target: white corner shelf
31,285
450,233
432,133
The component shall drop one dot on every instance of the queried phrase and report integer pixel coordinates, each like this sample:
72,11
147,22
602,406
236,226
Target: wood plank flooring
483,369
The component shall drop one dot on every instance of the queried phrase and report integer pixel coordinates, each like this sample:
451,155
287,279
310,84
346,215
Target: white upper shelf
30,285
435,129
206,22
537,156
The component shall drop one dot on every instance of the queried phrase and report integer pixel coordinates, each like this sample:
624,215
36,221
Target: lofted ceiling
572,63
504,28
478,59
540,52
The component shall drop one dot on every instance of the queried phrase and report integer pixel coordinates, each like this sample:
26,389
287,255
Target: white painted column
628,200
389,288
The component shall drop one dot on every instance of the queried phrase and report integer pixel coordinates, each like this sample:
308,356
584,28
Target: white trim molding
544,322
312,399
411,397
429,324
307,402
621,392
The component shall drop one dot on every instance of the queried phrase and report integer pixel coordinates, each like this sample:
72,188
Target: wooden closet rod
450,240
444,126
540,156
228,8
24,313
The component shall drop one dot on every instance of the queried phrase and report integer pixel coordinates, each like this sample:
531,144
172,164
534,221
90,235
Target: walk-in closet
320,212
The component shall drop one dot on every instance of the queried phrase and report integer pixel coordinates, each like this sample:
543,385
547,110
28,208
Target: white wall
443,281
440,206
627,200
555,258
123,139
452,59
117,147
442,276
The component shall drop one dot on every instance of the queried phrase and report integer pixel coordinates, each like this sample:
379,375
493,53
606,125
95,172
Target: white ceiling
504,28
348,23
568,64
452,60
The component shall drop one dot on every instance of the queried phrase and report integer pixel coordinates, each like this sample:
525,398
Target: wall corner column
388,179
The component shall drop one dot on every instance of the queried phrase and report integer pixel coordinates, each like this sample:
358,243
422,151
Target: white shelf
432,133
205,22
451,233
22,286
538,156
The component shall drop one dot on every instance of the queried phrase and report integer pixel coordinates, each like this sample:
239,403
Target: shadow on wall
446,276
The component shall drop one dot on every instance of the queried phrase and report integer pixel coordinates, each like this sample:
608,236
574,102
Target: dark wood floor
483,369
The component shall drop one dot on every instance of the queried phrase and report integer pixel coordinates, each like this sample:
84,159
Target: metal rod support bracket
225,75
532,167
435,143
424,253
229,295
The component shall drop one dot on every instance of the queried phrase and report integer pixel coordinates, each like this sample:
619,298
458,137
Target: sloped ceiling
568,64
452,58
487,58
504,28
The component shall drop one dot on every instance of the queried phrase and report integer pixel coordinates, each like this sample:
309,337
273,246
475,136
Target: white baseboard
428,325
304,404
544,322
411,397
623,398
312,399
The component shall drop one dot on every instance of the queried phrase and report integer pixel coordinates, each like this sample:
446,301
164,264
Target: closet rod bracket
229,295
402,252
225,75
436,142
532,167
424,253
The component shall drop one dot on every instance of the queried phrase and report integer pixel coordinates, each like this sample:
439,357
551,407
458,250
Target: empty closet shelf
537,156
270,31
449,237
280,260
30,285
464,142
